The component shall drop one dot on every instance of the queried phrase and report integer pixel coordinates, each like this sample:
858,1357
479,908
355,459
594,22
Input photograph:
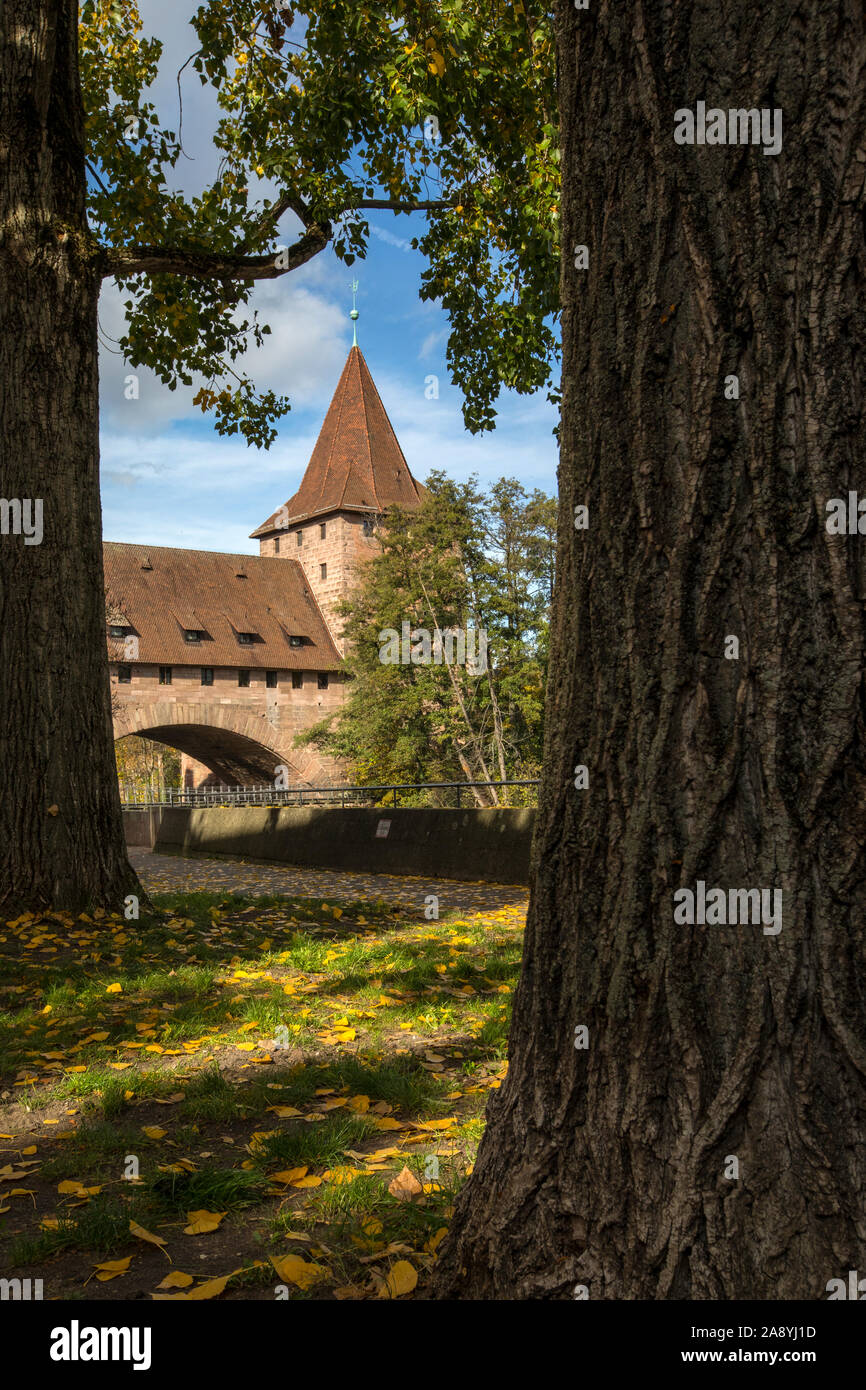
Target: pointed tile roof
357,464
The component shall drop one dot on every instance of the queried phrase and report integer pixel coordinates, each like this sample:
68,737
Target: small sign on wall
382,829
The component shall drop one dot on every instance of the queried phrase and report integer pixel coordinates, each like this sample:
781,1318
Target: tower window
323,530
276,545
324,571
368,526
271,680
207,675
165,675
300,538
297,680
243,678
124,675
323,680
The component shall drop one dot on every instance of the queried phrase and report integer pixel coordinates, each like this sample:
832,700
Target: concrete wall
140,827
470,845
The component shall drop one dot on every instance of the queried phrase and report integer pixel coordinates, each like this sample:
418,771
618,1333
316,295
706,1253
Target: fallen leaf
295,1270
111,1268
288,1175
141,1234
405,1186
176,1280
401,1279
201,1222
153,1131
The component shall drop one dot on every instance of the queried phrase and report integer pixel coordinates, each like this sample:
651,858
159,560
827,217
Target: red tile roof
357,464
202,589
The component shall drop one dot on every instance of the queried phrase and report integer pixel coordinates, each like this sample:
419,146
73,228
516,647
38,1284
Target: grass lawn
244,1097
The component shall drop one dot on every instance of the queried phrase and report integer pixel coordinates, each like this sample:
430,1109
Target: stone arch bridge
240,746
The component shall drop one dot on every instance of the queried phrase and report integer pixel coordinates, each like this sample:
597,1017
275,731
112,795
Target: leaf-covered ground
240,1097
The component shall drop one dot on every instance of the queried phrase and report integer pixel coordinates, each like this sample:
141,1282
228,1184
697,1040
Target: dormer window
296,641
246,638
192,634
115,630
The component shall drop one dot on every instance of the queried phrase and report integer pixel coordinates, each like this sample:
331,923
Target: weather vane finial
354,315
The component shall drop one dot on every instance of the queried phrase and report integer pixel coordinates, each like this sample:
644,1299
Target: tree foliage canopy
327,112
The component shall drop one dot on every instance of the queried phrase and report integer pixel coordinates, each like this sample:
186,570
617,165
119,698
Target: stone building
227,657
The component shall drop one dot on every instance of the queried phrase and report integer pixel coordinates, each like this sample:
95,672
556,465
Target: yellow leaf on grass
436,1124
111,1268
200,1222
401,1278
30,1150
387,1123
284,1112
176,1280
360,1104
114,989
288,1175
308,1182
153,1131
141,1234
295,1270
405,1186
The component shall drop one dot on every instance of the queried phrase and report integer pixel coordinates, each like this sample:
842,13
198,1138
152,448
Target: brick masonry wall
269,717
343,549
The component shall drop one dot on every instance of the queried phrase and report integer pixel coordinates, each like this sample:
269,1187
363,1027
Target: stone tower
356,471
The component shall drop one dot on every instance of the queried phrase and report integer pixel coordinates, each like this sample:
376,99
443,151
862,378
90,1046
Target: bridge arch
240,746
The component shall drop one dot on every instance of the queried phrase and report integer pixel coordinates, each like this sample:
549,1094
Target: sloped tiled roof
202,589
357,464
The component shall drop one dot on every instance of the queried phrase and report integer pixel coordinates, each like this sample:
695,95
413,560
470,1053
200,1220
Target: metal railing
436,794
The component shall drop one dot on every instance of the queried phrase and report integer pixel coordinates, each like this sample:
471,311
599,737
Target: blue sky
169,479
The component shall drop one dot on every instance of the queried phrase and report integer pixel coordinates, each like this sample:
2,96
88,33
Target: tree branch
212,265
388,205
236,265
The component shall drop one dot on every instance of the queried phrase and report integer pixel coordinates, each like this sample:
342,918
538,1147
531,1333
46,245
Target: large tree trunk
61,837
609,1167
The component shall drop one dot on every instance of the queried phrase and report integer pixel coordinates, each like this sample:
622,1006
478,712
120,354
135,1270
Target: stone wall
490,845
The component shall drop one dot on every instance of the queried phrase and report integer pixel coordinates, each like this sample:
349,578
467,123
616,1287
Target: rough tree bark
606,1167
61,836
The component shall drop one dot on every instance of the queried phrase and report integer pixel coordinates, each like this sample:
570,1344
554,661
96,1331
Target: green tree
444,108
464,560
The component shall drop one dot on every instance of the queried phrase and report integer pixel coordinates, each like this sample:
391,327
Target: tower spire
354,315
